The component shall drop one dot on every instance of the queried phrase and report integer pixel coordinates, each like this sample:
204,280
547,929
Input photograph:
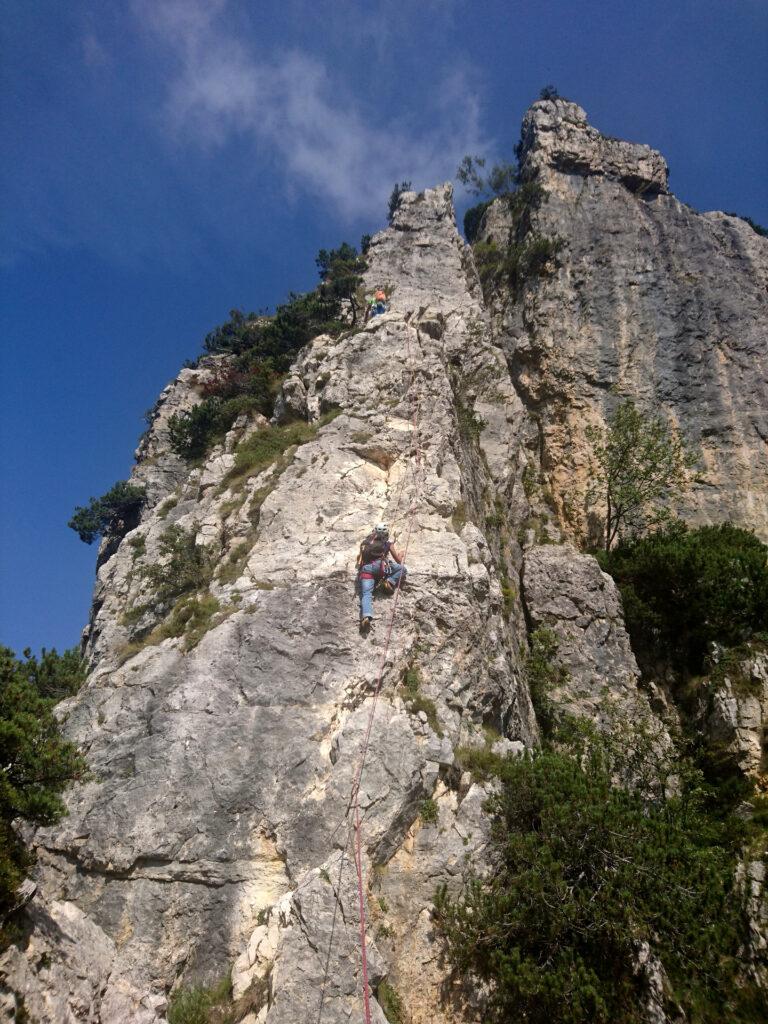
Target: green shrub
37,763
480,762
196,1005
186,566
116,511
584,872
473,219
391,1003
638,462
341,273
517,263
415,700
165,507
192,433
508,593
684,588
428,811
469,423
266,446
263,348
192,617
543,674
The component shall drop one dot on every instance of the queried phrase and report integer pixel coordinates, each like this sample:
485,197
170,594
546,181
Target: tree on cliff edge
638,463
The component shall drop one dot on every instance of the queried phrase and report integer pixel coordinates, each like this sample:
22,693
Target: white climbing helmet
381,528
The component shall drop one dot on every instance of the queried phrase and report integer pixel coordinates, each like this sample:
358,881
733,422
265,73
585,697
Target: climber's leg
366,597
396,575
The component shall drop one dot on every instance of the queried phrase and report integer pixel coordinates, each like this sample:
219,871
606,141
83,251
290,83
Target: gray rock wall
210,834
650,300
214,832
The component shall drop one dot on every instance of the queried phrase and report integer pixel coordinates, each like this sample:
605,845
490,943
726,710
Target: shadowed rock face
213,833
650,300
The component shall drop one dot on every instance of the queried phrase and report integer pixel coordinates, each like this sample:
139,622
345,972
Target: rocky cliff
214,830
650,300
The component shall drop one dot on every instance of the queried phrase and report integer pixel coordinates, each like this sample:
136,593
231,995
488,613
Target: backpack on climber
374,567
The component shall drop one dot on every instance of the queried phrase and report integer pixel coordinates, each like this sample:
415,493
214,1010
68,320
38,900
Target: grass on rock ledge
268,446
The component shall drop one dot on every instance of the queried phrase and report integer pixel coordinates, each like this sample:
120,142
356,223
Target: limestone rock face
567,593
224,734
214,832
556,136
647,299
734,711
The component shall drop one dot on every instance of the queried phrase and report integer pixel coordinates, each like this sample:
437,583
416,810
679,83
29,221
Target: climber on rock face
378,304
374,566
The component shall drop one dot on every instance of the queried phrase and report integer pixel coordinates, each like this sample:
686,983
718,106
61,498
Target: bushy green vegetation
231,391
524,253
639,462
54,676
518,261
473,218
117,510
180,580
341,278
428,811
264,347
268,446
585,871
684,588
198,1004
214,1004
36,762
543,674
265,446
390,1002
185,566
416,702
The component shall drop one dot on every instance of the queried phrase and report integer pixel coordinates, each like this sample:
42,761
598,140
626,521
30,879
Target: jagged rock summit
556,137
213,833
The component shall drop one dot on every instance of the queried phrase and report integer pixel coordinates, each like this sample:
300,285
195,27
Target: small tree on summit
499,181
639,462
394,197
341,273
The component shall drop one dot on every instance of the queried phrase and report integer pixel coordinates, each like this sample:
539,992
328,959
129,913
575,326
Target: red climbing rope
355,798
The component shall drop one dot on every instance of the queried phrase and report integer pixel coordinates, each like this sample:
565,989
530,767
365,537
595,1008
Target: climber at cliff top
374,567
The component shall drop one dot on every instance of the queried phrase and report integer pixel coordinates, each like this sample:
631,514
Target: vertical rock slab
649,300
568,594
213,834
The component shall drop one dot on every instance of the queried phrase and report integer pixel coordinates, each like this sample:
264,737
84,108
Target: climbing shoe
366,622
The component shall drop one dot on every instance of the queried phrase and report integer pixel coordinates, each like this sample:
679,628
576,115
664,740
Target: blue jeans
394,575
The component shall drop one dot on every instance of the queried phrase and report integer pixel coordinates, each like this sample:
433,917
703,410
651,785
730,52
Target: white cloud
95,54
293,109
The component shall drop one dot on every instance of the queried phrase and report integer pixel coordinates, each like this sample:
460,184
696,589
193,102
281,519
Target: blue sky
164,161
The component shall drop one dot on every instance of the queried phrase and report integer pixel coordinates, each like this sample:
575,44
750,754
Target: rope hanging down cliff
355,825
416,426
